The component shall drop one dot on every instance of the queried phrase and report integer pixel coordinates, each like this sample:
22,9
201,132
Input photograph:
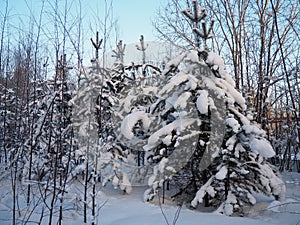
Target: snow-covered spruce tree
133,90
93,127
86,135
131,126
223,163
238,167
113,81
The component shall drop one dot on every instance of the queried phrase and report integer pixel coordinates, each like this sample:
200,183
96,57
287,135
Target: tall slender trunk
85,204
286,73
55,165
51,210
2,35
13,170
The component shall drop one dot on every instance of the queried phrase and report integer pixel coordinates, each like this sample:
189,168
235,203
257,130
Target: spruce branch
119,52
199,15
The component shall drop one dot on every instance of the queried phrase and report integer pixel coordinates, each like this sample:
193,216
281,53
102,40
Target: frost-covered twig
285,204
161,209
177,213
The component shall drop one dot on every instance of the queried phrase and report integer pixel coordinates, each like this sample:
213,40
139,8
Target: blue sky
134,16
134,19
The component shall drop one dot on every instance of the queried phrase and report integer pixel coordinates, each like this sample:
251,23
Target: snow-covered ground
120,209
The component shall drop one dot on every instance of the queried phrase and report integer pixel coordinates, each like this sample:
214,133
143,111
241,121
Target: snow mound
202,102
263,147
222,173
233,123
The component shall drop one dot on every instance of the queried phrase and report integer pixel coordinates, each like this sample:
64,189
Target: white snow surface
201,192
225,82
216,60
174,82
120,209
262,146
229,204
253,129
130,120
182,100
202,102
177,125
222,173
233,123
